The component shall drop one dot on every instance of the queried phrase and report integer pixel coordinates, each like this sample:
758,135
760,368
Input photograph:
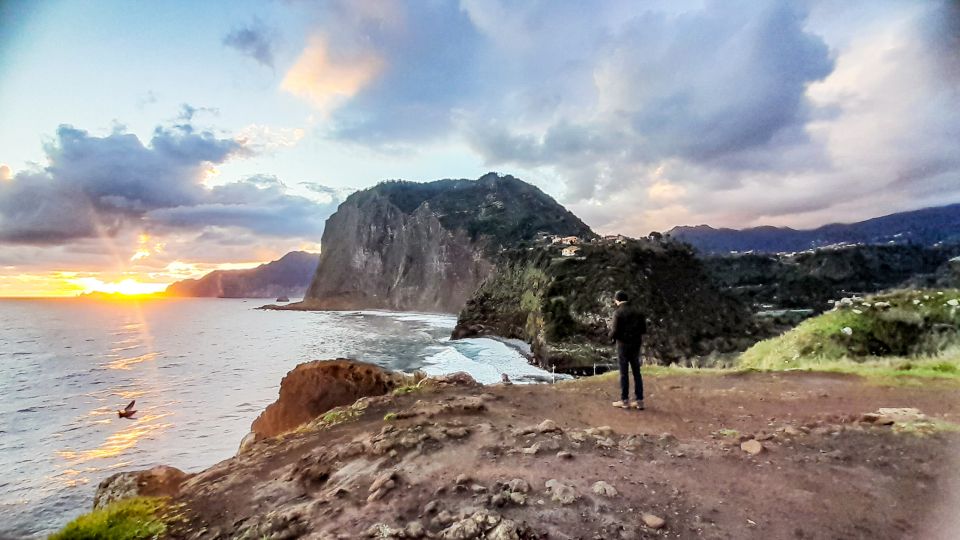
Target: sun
126,287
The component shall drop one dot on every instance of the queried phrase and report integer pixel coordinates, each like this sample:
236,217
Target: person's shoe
637,404
621,404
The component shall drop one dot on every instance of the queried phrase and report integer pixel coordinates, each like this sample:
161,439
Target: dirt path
823,473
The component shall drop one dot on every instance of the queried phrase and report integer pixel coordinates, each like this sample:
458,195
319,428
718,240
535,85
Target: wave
486,360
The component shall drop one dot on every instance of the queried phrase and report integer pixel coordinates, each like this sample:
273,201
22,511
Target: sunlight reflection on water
200,369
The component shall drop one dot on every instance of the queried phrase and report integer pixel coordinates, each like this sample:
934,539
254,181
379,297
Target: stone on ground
562,493
752,447
653,522
604,489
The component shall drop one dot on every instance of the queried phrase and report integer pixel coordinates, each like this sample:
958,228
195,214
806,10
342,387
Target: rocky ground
792,455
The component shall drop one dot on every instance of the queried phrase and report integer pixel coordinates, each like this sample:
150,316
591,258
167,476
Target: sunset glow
127,286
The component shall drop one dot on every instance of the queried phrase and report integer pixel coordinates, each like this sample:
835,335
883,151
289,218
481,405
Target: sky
146,142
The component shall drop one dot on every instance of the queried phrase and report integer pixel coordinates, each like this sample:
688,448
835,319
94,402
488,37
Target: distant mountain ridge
926,227
289,275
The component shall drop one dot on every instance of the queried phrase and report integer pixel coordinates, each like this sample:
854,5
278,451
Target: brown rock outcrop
313,388
159,481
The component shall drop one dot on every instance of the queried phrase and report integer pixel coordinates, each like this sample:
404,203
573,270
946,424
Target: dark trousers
629,356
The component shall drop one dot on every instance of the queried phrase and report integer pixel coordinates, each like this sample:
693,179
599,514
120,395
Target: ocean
201,370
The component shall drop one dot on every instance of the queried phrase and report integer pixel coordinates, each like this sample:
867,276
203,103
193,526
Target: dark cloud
34,209
117,173
98,187
254,40
719,81
321,189
188,112
711,86
259,204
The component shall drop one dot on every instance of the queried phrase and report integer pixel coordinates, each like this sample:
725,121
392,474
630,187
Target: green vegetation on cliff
128,519
562,305
915,332
501,209
811,279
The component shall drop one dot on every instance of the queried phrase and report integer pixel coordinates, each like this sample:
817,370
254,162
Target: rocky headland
715,455
427,246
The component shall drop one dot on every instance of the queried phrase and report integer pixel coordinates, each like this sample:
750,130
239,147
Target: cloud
106,187
712,86
324,79
258,204
254,40
322,190
261,138
388,71
763,107
188,112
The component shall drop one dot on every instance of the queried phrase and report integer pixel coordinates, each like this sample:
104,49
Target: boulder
752,447
313,388
604,489
159,481
518,485
653,522
560,492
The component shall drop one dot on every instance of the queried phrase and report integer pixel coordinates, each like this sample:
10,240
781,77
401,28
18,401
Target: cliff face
426,247
562,305
288,276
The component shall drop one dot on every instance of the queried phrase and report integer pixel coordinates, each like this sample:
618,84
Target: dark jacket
629,325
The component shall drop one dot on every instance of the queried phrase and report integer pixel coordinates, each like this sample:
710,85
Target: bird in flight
128,411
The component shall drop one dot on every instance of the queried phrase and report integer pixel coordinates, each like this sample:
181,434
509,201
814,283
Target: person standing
629,326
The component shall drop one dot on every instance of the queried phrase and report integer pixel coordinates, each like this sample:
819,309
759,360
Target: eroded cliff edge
447,458
426,247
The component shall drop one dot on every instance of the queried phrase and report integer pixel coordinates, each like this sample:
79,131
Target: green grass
128,519
339,416
333,417
407,389
390,417
917,335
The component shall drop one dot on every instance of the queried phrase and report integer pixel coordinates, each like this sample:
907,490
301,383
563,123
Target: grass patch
927,426
390,417
331,418
914,333
338,416
128,519
407,389
898,370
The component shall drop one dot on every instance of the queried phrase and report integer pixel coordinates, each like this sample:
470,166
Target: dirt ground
439,463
